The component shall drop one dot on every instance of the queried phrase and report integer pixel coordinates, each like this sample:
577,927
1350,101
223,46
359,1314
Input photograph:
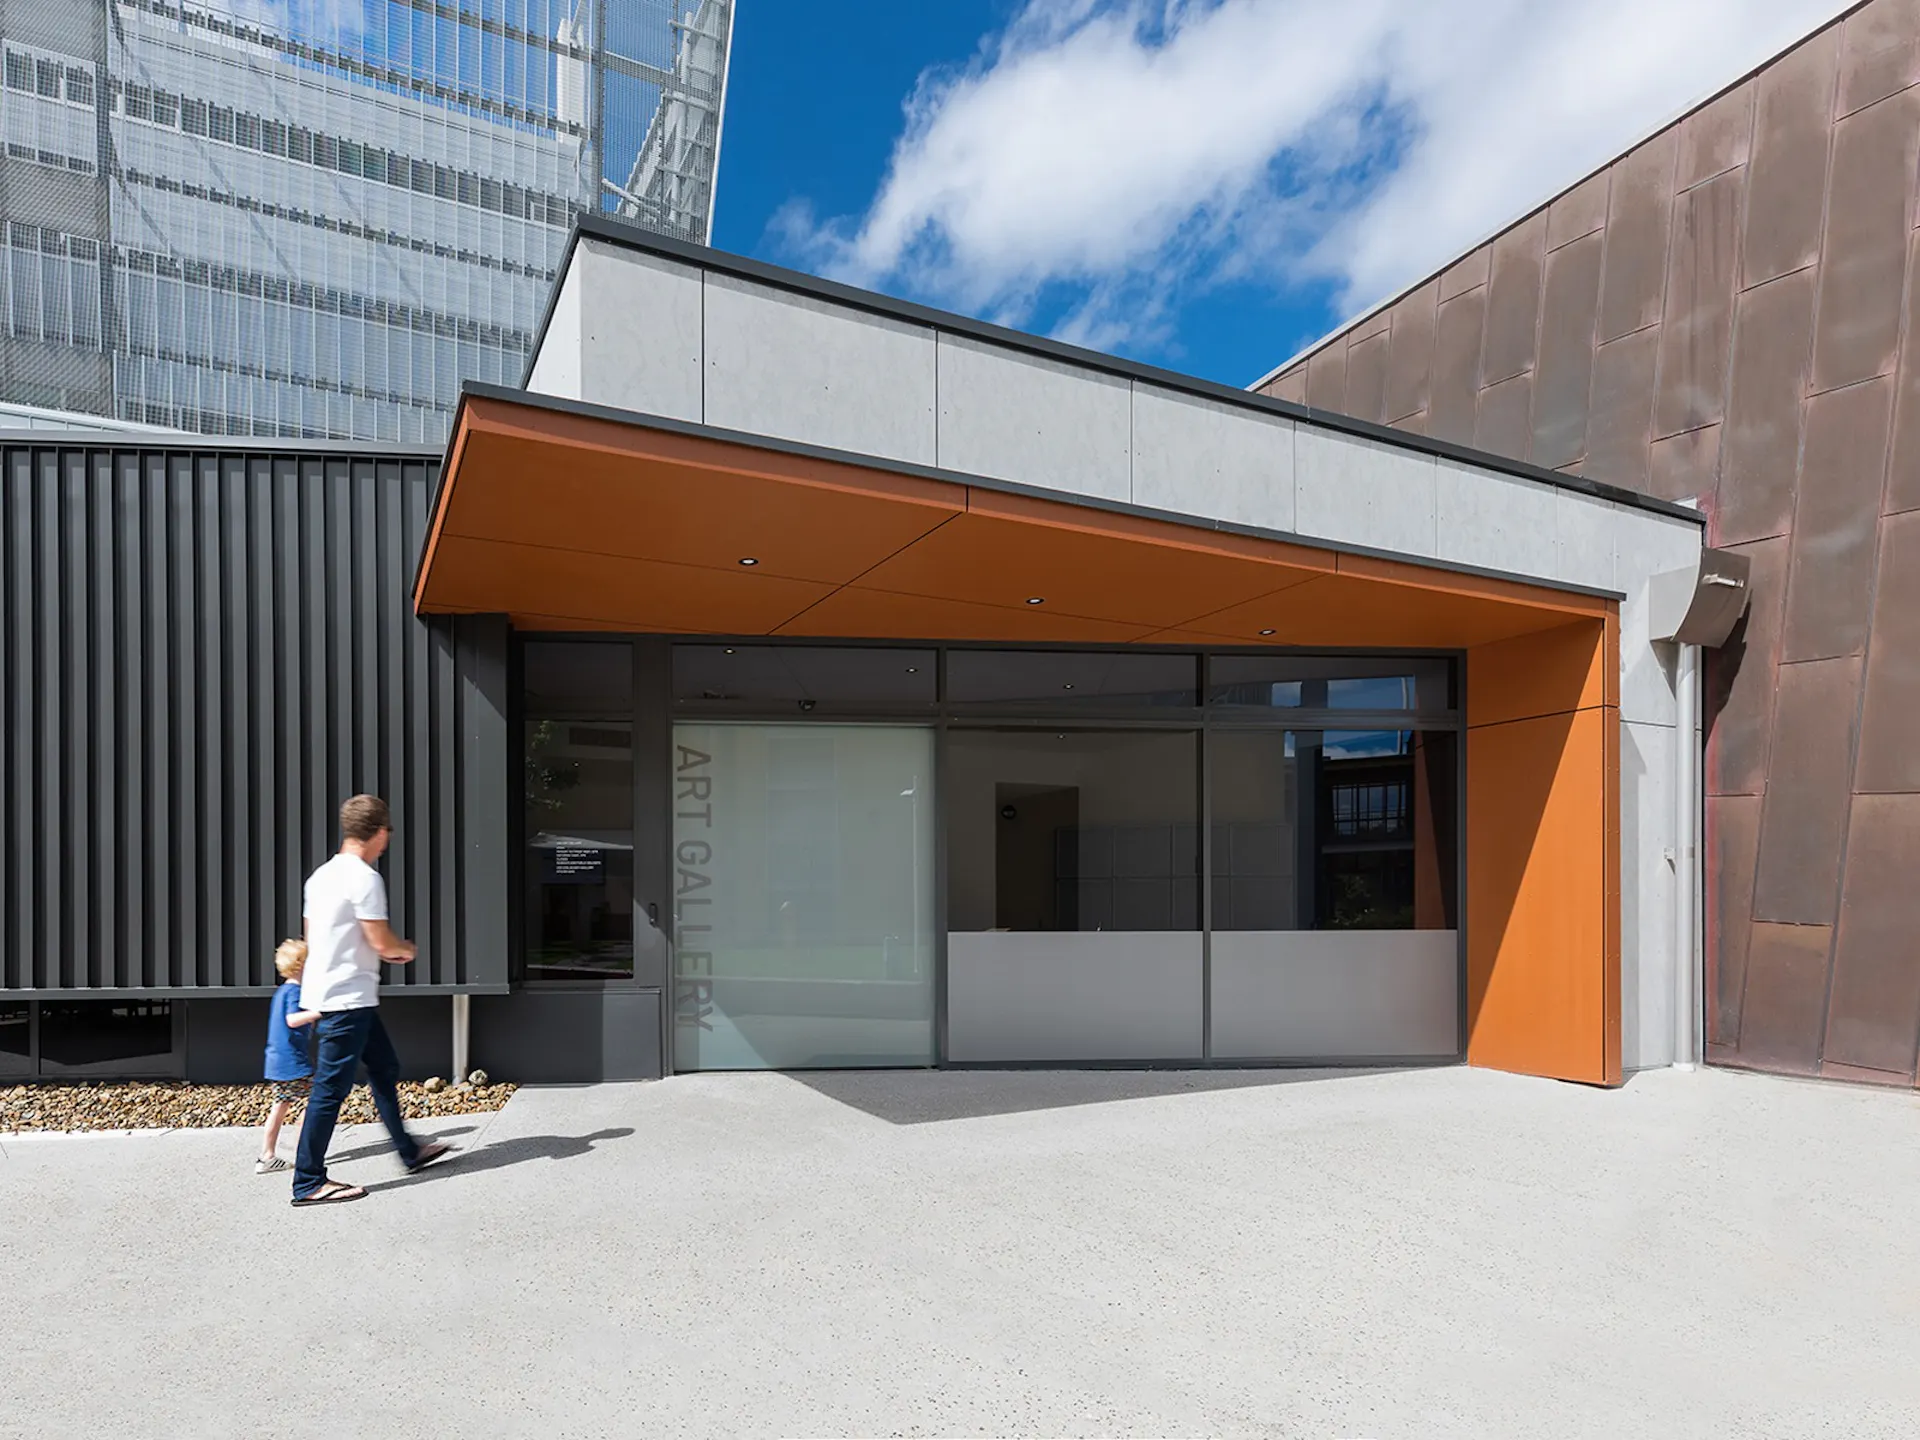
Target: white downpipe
462,1005
1686,856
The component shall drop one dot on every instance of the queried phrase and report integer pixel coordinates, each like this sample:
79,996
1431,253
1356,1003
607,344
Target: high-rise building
317,217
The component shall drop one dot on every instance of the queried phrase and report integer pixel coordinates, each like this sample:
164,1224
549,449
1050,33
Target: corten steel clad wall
1728,312
205,651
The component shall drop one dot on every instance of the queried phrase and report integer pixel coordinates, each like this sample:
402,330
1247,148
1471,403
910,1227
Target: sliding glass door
1073,893
803,896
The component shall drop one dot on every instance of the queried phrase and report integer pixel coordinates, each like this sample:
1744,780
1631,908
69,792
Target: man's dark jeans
343,1041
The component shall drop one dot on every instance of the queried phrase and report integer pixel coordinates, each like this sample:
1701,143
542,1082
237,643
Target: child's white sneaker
269,1165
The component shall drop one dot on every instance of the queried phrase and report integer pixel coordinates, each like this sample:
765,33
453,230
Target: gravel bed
178,1105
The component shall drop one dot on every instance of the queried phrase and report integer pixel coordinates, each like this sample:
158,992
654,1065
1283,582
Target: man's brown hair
363,817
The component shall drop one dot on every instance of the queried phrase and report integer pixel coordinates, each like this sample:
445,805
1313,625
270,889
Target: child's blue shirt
289,1054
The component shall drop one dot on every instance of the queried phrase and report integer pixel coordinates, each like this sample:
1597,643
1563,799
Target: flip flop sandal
269,1165
332,1193
438,1150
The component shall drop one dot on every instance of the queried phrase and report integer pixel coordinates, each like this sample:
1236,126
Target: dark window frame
1202,718
519,713
172,1065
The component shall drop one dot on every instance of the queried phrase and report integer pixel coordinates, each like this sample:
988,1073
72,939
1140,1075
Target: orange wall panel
1543,864
853,611
1545,673
495,575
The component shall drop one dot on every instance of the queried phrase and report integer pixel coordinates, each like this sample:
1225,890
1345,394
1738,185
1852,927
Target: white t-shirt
343,970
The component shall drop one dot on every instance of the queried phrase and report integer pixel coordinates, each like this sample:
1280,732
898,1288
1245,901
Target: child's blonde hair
289,958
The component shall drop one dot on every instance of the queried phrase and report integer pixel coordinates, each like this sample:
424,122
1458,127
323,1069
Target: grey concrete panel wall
1020,417
1363,492
640,332
1106,995
1586,533
568,1037
1336,994
205,651
1646,897
795,368
1756,325
1646,670
1199,457
1495,522
556,364
776,359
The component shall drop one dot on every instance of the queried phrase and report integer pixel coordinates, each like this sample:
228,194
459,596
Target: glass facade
124,1037
579,794
318,220
1073,830
803,898
890,855
16,1038
803,676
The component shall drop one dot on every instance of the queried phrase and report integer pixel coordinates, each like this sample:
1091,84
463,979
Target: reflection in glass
579,863
567,677
1384,829
861,675
1341,830
1373,692
1066,679
132,1036
1254,779
1316,682
1072,831
803,896
16,1039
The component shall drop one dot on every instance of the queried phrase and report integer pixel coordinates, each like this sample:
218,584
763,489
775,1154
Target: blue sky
815,117
1203,184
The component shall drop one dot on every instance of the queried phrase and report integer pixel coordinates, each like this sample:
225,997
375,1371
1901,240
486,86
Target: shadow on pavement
384,1146
509,1152
919,1097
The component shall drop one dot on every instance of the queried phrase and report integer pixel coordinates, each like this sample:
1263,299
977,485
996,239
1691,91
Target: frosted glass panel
803,898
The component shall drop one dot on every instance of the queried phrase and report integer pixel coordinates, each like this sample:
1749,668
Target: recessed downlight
1266,632
729,650
1067,686
748,560
913,669
1036,599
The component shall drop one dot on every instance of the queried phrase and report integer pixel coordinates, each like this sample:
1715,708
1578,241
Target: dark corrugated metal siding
205,650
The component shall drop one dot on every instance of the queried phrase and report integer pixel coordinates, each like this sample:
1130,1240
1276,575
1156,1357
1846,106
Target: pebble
180,1105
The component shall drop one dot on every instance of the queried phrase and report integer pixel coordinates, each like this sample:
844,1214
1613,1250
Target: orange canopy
569,521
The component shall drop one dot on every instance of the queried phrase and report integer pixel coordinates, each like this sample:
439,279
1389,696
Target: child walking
289,1053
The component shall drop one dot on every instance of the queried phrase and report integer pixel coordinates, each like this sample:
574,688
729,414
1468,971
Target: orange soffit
565,521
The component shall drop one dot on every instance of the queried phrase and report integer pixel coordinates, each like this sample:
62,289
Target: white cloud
329,20
1131,148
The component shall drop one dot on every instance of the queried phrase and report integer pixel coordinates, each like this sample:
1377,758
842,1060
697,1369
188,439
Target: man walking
347,937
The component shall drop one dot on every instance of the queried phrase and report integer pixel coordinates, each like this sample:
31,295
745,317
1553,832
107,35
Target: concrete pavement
1424,1254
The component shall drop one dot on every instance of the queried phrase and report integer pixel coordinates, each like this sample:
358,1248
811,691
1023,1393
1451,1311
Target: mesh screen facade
318,217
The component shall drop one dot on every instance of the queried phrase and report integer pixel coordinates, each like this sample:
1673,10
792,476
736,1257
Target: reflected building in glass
318,217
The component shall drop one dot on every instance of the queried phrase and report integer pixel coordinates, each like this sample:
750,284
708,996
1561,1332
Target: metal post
1686,855
462,1005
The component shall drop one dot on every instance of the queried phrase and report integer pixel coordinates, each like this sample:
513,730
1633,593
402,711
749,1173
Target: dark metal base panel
559,1037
